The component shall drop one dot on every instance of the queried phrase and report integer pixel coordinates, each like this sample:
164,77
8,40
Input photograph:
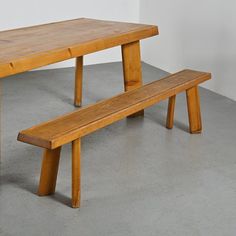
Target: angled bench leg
76,149
194,113
170,112
48,178
78,81
132,68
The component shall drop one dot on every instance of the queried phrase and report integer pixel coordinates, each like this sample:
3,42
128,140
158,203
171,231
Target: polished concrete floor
138,178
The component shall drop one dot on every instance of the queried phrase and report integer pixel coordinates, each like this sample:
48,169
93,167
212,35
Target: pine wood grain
72,126
32,47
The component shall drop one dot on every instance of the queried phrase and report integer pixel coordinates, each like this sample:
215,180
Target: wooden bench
71,127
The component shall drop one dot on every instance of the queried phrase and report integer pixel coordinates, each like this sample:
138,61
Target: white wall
14,14
200,34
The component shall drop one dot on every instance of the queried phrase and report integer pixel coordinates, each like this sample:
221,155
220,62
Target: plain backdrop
197,34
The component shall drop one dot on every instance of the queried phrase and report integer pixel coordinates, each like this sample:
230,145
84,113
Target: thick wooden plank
74,125
31,47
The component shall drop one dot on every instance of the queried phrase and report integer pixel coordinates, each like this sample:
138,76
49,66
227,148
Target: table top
32,47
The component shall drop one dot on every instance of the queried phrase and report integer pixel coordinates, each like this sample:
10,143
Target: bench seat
71,127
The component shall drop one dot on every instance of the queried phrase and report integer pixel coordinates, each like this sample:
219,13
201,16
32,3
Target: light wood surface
170,112
194,112
76,149
69,127
78,81
48,177
32,47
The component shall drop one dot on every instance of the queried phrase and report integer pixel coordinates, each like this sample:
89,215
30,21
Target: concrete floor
138,178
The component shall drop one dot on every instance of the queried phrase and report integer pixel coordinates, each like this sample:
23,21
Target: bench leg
170,112
132,68
194,113
78,81
48,178
76,149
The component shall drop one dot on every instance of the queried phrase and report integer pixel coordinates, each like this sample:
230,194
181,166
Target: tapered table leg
78,81
132,68
170,112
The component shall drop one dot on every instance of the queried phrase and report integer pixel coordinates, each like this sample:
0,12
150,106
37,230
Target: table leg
132,68
78,81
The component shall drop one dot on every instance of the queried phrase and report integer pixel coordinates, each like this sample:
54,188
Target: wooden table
32,47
